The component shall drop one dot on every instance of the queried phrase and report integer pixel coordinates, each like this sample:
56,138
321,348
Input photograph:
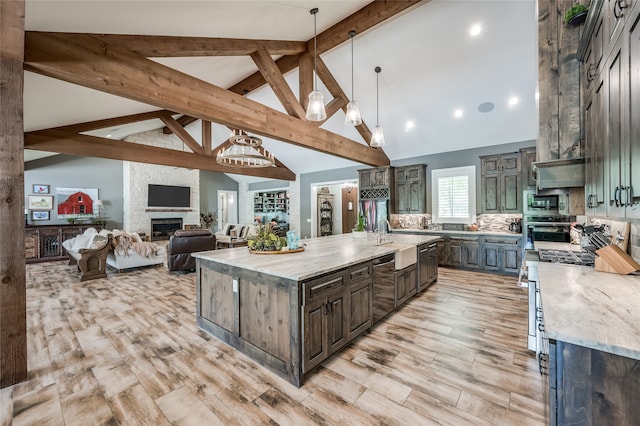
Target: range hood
559,173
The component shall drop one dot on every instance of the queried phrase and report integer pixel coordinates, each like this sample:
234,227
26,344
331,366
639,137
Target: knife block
613,259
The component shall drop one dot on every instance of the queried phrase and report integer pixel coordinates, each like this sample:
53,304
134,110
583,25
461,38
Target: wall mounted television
169,196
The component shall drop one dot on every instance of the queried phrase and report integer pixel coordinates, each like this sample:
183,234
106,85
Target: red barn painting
78,203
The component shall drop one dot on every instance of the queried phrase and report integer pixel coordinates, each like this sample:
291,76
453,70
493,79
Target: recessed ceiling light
109,135
409,125
513,101
537,95
475,30
458,113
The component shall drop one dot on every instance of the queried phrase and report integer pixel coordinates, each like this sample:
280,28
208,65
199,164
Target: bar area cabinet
44,243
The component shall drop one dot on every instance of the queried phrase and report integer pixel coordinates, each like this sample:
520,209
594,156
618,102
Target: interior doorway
341,222
349,207
227,207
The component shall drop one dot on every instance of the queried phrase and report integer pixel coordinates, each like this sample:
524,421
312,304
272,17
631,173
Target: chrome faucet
381,230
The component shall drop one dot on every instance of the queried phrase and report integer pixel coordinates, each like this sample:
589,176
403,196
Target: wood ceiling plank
180,132
364,19
90,62
152,46
55,140
279,85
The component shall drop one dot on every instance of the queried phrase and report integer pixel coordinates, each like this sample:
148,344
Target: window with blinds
453,195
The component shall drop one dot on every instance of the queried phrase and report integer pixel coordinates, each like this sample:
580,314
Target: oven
548,228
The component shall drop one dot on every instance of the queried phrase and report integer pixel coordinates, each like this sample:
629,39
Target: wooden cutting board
622,229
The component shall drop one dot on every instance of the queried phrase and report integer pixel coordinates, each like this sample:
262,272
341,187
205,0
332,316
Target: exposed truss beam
57,140
180,132
81,59
184,121
151,46
364,19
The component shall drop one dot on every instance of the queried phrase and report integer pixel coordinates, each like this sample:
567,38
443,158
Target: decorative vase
359,234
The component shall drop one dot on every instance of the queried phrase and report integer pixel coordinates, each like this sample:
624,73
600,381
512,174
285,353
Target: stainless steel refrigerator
373,211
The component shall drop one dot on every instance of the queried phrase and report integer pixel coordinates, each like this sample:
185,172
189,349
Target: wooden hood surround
119,65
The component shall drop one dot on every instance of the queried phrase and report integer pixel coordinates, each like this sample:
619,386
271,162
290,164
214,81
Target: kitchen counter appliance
546,216
384,286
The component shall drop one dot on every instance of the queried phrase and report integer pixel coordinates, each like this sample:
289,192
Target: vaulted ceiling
430,64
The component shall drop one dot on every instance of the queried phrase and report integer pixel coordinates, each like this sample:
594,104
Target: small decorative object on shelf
576,15
209,219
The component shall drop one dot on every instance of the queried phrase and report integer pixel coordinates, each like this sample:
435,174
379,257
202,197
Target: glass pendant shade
377,137
353,117
315,109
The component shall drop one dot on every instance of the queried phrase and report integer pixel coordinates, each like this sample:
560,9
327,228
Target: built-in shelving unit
271,202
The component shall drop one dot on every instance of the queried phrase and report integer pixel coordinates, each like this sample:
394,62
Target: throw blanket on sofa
123,241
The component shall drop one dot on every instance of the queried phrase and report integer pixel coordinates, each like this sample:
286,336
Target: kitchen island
592,321
291,311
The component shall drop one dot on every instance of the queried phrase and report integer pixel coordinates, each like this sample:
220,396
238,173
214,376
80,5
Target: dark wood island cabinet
290,312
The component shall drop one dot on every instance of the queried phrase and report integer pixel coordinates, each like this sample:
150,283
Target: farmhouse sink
406,254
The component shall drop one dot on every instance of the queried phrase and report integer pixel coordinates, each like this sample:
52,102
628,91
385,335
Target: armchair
184,242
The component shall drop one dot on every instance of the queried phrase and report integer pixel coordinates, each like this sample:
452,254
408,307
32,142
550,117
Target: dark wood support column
13,308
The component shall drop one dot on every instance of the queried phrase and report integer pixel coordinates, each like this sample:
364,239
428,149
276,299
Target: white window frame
470,172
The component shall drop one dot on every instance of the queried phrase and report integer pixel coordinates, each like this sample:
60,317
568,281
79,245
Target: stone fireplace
163,229
137,215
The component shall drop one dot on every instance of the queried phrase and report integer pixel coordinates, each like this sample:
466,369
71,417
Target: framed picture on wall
40,215
40,189
40,202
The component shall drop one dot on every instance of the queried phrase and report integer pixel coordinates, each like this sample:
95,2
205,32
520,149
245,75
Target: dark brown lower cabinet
43,243
406,284
591,387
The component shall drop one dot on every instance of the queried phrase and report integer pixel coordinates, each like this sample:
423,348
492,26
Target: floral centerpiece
266,241
209,220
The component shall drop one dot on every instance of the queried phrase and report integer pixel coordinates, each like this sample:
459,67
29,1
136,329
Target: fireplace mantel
167,210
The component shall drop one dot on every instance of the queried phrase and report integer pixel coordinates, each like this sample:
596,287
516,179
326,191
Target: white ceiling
430,67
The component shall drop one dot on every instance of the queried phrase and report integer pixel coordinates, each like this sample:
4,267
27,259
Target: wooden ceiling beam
61,141
180,132
279,85
206,137
153,46
336,91
115,121
364,19
305,78
90,62
184,121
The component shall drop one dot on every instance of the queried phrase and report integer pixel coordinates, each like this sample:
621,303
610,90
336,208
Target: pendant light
377,136
315,108
352,118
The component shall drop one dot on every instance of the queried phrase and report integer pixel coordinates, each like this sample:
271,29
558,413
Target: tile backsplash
485,222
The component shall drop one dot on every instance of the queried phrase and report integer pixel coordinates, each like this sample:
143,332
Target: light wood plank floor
126,350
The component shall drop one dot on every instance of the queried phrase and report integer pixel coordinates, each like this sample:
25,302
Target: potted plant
266,241
358,230
576,14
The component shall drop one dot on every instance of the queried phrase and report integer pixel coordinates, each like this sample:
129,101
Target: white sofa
242,233
130,251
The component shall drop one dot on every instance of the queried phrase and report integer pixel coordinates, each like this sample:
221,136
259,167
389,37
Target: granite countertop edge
322,255
597,310
439,232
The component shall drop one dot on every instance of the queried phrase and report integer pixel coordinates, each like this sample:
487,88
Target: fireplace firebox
163,229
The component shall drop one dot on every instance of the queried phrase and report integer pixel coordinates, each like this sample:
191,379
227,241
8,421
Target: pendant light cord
315,50
377,70
352,34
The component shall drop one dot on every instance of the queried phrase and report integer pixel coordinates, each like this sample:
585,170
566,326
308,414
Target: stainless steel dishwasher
384,298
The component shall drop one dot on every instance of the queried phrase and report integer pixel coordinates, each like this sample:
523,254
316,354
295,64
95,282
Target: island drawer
360,272
321,286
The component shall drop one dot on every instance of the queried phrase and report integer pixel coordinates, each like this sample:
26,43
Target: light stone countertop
396,231
321,255
552,245
597,310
